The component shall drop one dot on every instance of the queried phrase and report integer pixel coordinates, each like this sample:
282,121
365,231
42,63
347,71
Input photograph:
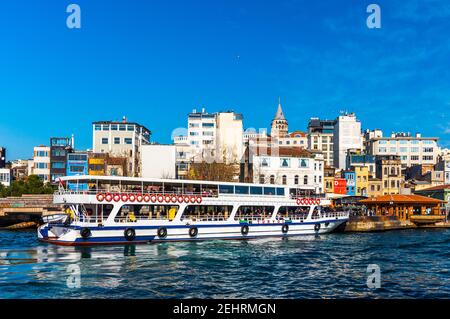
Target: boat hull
115,234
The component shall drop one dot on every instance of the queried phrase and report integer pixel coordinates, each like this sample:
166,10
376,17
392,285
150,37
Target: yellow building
96,166
375,187
328,179
362,180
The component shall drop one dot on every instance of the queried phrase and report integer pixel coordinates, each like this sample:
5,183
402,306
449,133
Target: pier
25,211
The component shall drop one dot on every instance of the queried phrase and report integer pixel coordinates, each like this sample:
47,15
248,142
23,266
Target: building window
305,180
130,128
58,152
122,127
113,127
284,162
98,127
105,140
284,179
128,141
296,180
272,179
117,140
265,162
261,179
303,162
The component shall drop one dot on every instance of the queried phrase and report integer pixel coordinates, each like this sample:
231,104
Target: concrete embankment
384,223
25,211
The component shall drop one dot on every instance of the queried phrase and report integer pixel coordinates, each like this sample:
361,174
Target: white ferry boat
122,210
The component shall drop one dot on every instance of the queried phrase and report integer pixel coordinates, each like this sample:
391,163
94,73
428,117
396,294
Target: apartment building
347,135
320,138
412,149
389,171
122,140
41,163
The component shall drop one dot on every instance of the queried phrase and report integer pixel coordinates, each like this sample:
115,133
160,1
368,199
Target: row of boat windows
207,212
252,190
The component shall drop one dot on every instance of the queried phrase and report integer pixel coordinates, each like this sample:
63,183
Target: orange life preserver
160,198
192,199
186,199
199,199
124,197
132,198
139,198
147,198
100,197
108,197
180,199
167,198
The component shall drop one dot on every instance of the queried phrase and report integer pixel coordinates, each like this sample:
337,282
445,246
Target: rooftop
281,151
436,188
401,199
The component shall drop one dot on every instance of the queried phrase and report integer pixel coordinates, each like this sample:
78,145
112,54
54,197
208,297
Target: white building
158,161
287,166
41,163
5,177
121,139
211,137
347,135
296,138
413,150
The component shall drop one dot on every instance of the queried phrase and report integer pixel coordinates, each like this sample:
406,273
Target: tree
32,185
213,172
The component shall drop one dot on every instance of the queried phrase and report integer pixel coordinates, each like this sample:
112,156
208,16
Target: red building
340,186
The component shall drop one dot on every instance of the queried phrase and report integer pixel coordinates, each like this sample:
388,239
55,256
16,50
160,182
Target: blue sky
154,61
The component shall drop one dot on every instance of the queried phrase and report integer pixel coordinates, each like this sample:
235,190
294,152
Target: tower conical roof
279,115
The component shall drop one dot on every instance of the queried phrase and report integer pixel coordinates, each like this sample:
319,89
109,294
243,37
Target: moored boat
122,210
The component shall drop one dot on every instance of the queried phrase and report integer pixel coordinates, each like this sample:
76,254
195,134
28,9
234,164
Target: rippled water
414,264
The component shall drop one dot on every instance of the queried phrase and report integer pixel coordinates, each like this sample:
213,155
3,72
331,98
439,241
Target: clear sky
154,61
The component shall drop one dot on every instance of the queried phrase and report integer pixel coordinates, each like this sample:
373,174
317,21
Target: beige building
347,135
121,139
412,150
40,165
389,171
320,138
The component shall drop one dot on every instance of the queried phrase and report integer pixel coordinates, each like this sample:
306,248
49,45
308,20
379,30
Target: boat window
280,191
130,213
293,212
206,212
226,189
269,190
241,189
253,212
256,190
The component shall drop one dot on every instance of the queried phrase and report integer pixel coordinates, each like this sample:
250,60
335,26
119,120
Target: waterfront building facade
412,150
121,139
41,163
329,176
362,180
286,166
5,177
340,186
355,158
19,169
347,135
320,138
375,187
96,164
350,179
389,170
60,147
77,164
